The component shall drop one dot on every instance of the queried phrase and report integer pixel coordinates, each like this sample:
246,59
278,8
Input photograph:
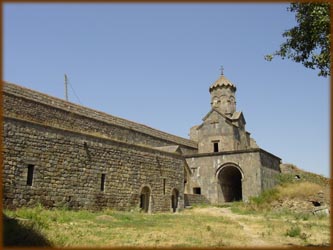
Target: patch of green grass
256,204
241,208
223,205
285,178
265,197
35,216
125,216
294,231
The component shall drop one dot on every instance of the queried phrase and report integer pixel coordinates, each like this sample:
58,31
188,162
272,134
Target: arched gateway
230,183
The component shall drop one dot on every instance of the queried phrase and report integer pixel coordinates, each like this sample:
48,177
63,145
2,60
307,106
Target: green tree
309,41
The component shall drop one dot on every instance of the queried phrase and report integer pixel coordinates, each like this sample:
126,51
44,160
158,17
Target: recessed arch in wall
145,198
174,199
229,178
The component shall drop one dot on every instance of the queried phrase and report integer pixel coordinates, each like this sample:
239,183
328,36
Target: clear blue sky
154,63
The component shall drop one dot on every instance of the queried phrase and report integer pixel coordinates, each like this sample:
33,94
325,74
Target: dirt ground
270,231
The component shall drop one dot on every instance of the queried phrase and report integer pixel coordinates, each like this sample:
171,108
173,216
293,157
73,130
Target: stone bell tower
223,95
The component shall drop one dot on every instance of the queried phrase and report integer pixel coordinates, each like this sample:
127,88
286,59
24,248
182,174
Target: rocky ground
318,202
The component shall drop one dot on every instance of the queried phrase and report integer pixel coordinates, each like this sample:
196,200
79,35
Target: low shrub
283,179
265,197
294,231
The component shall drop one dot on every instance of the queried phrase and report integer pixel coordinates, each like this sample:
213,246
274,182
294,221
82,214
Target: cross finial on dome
221,70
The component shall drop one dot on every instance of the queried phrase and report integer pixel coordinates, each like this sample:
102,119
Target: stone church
60,154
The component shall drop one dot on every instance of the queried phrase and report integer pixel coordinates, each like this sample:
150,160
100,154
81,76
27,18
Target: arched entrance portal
174,200
230,179
144,199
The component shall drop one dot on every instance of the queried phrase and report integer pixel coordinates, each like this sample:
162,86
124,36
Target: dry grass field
205,226
256,223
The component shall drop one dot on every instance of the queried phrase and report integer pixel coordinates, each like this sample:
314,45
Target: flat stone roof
242,151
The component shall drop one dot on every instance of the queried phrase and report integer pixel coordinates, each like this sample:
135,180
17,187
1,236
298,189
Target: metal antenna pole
66,90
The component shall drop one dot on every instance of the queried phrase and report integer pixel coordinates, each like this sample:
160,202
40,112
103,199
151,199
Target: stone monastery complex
61,154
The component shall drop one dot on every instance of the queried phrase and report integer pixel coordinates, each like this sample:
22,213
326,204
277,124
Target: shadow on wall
16,234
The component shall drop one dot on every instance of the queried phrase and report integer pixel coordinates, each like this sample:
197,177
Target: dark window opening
196,190
102,182
316,203
30,174
216,147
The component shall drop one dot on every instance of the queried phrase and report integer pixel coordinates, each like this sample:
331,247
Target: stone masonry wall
33,106
68,167
269,170
256,176
219,129
195,199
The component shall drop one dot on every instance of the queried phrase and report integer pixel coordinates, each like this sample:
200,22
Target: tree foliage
309,41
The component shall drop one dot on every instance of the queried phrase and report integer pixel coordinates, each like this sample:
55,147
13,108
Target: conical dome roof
222,82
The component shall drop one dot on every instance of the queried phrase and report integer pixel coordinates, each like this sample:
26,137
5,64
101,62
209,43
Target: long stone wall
60,154
67,169
34,106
